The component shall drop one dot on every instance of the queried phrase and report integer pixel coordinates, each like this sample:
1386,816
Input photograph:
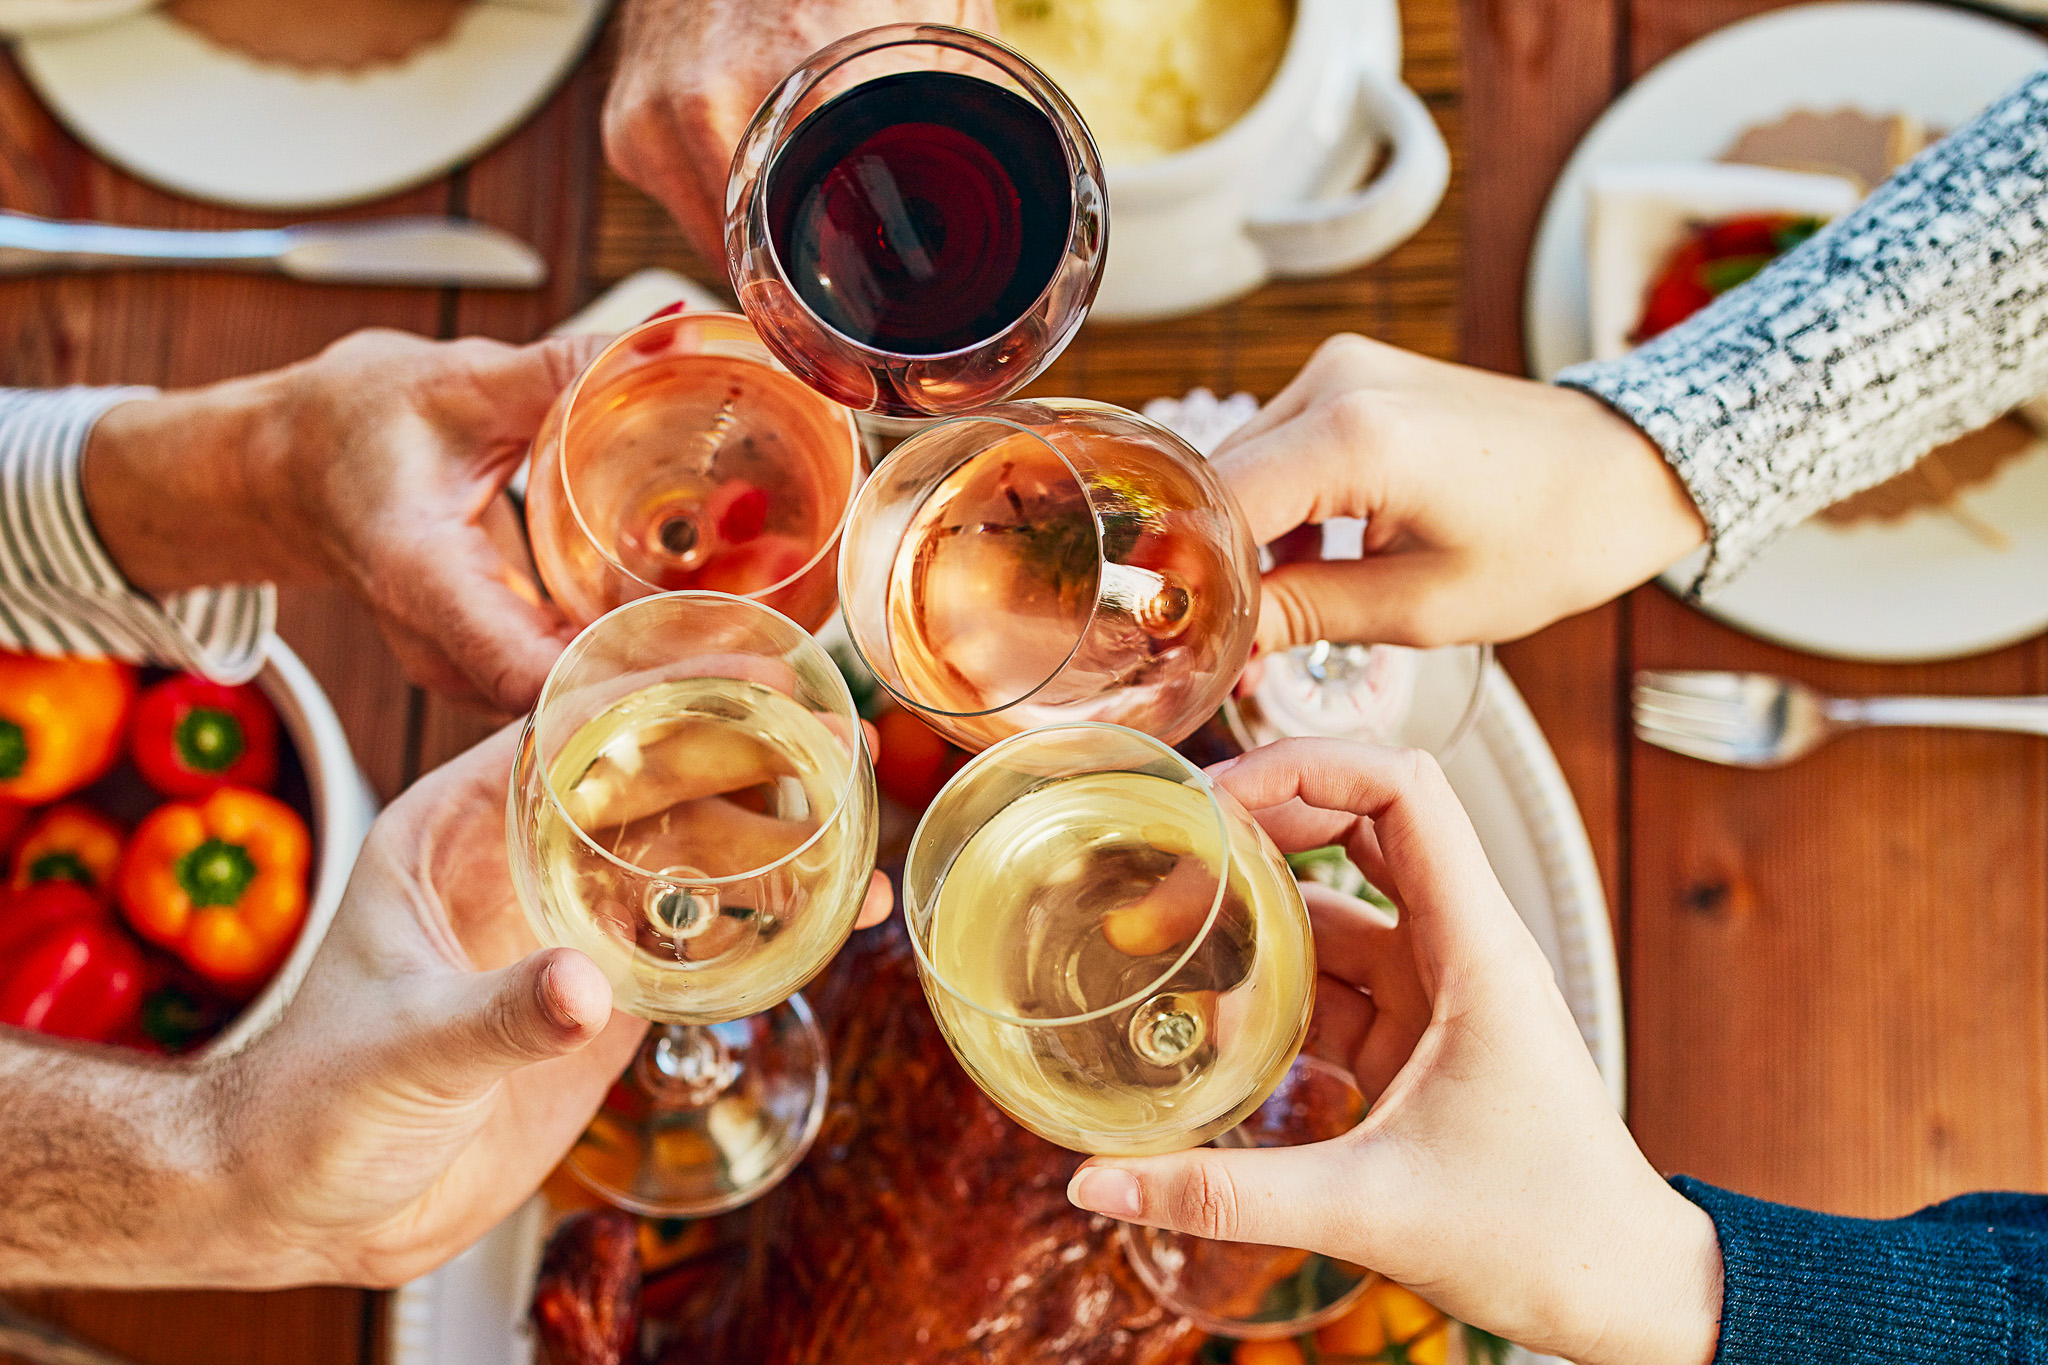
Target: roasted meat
586,1302
925,1226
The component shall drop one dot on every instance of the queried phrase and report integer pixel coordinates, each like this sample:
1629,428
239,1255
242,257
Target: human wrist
1661,1303
1659,523
184,489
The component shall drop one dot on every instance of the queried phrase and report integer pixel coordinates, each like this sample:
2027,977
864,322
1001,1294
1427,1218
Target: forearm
175,485
114,1171
1914,319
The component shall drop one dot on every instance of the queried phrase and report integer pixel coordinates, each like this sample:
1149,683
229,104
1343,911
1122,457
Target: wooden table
1837,974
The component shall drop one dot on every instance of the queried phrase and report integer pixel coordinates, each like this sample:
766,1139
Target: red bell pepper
81,980
912,760
192,737
34,911
72,843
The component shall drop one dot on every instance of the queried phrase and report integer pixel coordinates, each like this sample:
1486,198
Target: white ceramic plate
1922,588
472,1311
155,98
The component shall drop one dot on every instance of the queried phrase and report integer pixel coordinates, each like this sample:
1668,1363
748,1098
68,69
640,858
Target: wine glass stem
684,1066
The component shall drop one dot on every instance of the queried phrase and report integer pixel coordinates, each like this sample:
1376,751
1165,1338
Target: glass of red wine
916,221
685,458
1046,562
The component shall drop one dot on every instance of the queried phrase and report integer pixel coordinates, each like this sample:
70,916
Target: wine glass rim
1200,780
842,800
1084,162
602,545
994,416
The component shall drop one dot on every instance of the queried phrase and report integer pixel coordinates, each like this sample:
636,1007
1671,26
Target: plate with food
266,104
1734,150
925,1223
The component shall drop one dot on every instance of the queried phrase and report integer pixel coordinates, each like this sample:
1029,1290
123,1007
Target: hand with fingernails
1492,1174
1493,505
431,1070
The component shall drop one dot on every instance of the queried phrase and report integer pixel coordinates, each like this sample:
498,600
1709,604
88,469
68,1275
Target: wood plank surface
1839,971
1837,974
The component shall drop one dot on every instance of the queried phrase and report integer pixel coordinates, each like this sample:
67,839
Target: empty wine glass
685,457
916,220
1049,561
693,807
1382,694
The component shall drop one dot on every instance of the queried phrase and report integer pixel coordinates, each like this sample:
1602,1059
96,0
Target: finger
1355,939
1296,827
1433,862
1280,1196
1402,598
881,898
520,383
548,1005
1343,1016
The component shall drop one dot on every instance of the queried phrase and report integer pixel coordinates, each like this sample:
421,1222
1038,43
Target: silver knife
43,1344
415,251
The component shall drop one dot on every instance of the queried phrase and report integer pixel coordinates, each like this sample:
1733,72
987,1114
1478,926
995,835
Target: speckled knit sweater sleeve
1917,317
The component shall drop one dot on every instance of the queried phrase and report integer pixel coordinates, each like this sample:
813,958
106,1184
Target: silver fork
1754,720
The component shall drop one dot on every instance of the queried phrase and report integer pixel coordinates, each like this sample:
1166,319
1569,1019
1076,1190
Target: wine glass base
1241,1289
666,1159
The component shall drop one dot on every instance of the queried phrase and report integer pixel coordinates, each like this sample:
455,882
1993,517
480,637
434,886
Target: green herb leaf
1795,232
1723,275
1483,1347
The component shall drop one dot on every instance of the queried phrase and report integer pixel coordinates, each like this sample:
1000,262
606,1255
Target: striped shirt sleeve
60,592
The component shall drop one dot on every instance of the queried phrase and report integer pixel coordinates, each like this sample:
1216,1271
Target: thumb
1281,1196
550,1004
1394,598
522,382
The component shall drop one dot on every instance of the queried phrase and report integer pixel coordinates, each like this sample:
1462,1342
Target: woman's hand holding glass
1492,1174
1493,505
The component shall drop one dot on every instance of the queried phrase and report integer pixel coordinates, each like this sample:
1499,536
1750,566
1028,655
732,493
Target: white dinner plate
472,1311
1921,588
164,103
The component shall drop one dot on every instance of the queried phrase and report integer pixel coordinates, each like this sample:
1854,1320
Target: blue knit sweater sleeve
1962,1281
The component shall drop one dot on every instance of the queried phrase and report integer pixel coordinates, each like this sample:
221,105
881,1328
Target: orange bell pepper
220,882
61,722
72,843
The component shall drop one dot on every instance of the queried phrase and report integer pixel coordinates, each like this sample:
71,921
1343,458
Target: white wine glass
685,457
1112,946
693,806
1045,562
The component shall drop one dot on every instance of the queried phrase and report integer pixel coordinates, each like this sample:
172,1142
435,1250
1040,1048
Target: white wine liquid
699,779
1087,891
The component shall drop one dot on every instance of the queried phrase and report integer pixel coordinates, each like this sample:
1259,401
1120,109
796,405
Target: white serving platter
472,1311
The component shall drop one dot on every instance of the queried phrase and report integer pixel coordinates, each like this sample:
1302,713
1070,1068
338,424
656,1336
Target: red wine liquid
921,213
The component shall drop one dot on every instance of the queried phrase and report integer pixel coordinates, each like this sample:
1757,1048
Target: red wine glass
916,221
